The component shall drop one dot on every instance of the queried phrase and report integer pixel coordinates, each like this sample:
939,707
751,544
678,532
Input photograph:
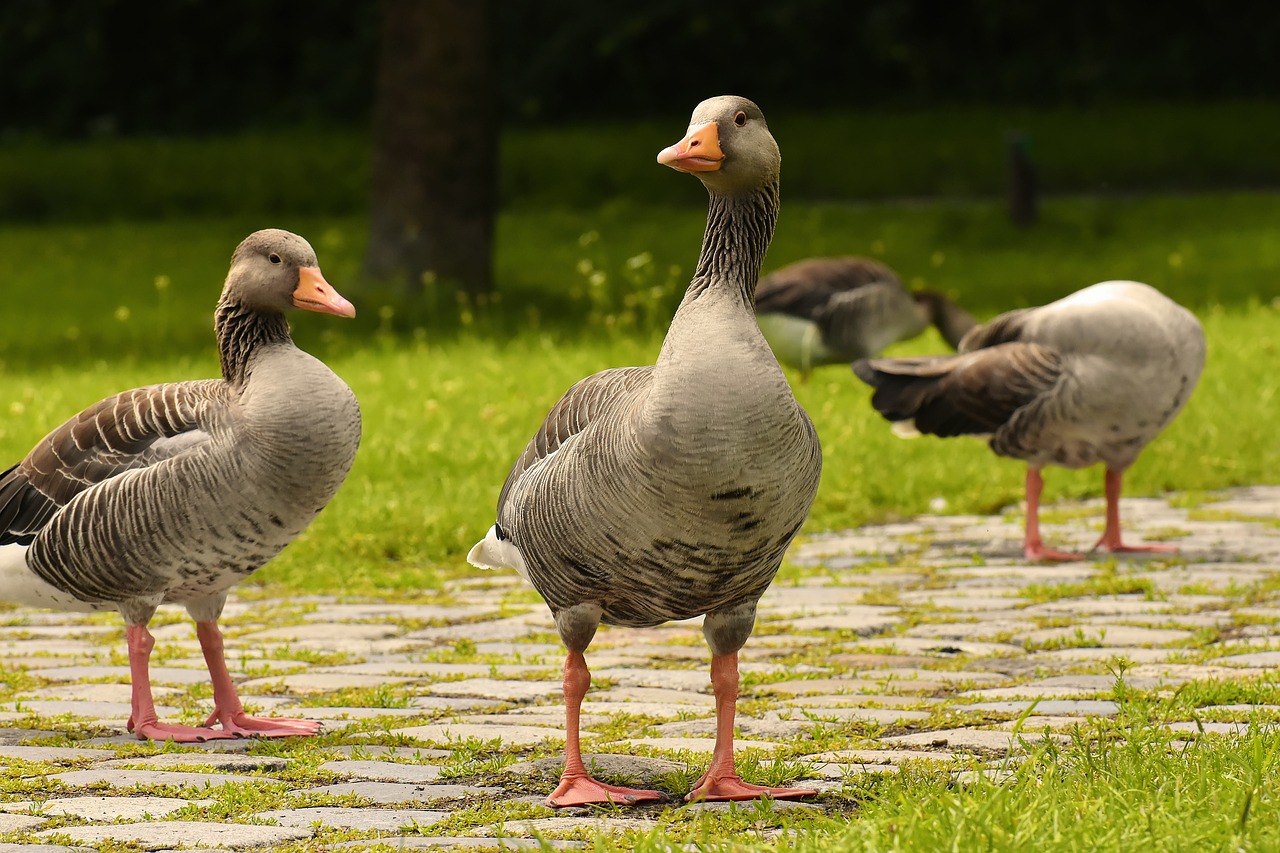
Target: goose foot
157,731
733,788
583,790
1118,547
1036,552
242,725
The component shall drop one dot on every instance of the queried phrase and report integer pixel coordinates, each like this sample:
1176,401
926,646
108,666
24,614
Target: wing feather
968,394
133,429
579,406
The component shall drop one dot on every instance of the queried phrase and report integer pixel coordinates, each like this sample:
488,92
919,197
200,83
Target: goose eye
740,118
274,258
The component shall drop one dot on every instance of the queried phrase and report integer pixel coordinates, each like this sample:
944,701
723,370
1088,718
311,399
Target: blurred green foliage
833,156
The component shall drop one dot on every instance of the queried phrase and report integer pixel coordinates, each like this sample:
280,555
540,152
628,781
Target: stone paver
383,771
390,793
164,835
433,708
106,808
385,820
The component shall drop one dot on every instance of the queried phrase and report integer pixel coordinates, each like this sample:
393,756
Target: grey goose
1093,377
176,492
671,491
837,310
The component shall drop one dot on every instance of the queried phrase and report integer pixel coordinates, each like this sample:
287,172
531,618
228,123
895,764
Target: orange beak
699,151
313,293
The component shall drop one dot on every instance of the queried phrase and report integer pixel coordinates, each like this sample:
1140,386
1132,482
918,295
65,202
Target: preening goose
672,491
837,310
1093,377
176,492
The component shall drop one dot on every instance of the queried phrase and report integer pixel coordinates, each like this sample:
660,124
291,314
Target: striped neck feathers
241,331
739,229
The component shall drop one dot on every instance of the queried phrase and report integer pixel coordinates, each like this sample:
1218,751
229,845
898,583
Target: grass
1106,795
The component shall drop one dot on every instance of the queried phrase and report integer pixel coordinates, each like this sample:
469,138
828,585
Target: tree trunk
434,146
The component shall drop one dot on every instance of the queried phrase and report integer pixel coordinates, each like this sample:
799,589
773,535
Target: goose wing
584,402
133,429
969,394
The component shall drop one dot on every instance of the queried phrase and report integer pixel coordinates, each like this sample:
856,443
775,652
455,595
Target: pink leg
721,781
1110,540
142,718
576,786
227,708
1033,547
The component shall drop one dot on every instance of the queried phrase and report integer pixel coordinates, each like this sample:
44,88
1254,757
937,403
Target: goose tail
496,551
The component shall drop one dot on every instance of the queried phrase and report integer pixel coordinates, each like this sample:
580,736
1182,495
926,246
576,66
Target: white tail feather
20,585
905,429
494,553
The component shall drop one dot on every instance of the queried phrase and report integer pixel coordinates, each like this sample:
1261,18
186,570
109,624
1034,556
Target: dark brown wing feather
130,430
971,393
582,403
804,288
1003,329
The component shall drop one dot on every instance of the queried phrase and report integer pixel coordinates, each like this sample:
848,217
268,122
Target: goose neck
241,332
739,229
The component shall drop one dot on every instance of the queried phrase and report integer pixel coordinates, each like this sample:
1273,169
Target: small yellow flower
122,313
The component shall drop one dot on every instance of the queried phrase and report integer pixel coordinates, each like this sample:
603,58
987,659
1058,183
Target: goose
1093,377
837,310
177,492
671,491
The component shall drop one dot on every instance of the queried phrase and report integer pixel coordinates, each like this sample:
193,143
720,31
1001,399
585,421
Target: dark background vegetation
78,68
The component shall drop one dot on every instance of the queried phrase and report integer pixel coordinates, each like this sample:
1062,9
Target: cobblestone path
922,640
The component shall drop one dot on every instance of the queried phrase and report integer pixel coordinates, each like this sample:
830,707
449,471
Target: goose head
273,271
728,146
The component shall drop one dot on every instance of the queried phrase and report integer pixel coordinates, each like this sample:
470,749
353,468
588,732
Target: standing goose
177,492
1093,377
672,490
837,310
